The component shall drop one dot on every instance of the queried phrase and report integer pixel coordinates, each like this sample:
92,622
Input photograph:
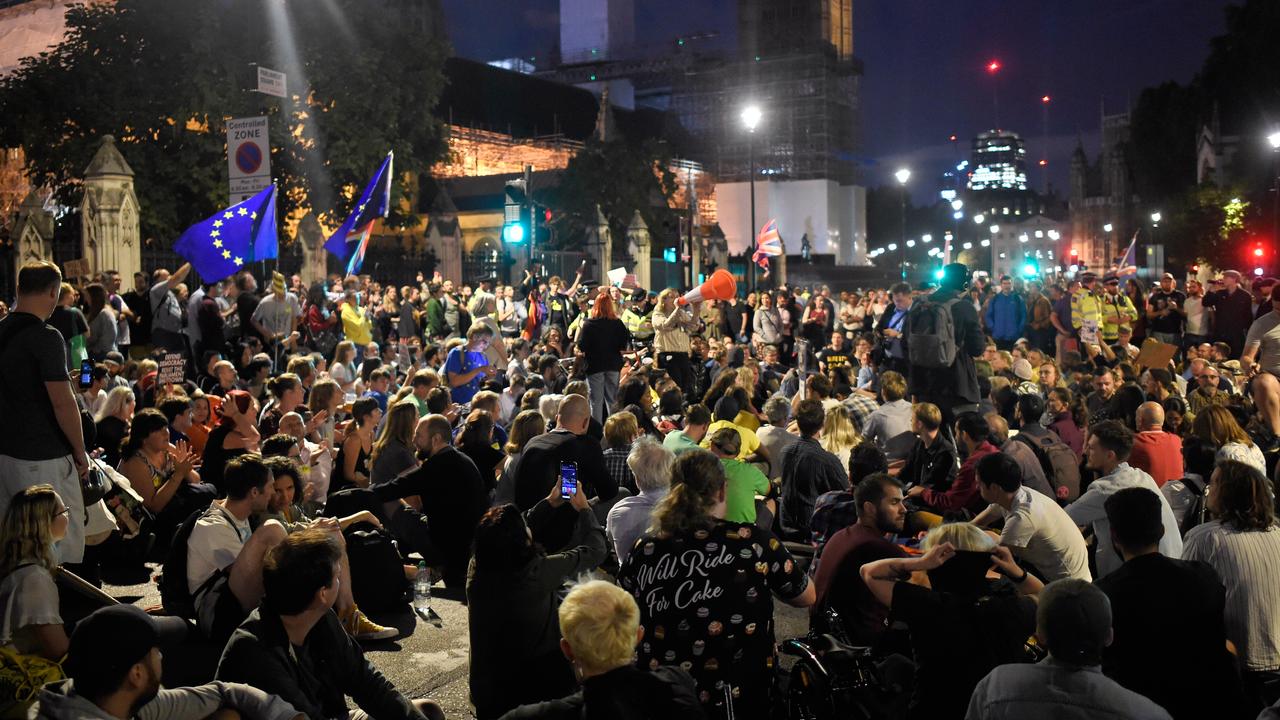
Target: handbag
94,484
21,678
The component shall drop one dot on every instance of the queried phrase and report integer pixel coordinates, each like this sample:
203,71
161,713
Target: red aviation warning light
994,66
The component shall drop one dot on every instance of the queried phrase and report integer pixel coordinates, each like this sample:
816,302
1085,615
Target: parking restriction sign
248,157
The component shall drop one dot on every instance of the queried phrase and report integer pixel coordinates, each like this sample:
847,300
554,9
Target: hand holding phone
86,374
568,480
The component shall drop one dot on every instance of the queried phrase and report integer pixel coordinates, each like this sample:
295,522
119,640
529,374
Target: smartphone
86,374
568,479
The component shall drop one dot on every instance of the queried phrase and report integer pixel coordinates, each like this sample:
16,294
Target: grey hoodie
59,701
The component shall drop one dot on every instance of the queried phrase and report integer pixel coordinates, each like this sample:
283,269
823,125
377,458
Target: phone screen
86,374
568,479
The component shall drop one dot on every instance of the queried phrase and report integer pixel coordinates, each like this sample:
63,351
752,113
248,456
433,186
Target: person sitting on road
295,645
601,627
114,669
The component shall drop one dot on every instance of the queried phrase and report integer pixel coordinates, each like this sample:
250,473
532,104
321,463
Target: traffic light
515,219
669,255
1074,254
1030,269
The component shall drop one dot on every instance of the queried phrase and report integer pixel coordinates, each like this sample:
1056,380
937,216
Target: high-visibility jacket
1117,311
1085,306
640,326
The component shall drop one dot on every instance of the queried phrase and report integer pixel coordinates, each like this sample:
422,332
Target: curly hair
697,479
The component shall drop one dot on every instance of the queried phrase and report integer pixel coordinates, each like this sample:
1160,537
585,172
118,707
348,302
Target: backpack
350,501
175,595
377,569
1194,514
931,332
1059,462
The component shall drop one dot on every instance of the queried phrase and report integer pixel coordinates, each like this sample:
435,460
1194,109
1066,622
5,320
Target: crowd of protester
992,484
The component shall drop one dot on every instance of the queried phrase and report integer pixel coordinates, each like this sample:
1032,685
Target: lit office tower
999,162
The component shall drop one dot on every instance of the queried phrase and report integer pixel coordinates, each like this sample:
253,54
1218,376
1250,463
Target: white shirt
1194,307
1265,331
216,541
1037,530
1088,509
1249,565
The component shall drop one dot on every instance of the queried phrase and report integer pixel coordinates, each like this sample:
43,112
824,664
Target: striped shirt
1249,564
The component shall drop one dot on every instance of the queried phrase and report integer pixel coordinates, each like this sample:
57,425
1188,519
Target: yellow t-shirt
356,325
750,441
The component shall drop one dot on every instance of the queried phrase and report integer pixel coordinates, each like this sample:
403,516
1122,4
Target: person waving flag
222,244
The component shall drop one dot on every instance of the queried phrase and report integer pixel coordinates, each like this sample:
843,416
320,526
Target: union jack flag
768,244
1128,266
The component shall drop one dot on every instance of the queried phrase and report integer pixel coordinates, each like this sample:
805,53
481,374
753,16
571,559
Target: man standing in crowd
1086,311
1006,315
41,440
1232,312
953,389
1166,313
139,318
1117,311
276,317
1040,330
166,314
1064,333
890,328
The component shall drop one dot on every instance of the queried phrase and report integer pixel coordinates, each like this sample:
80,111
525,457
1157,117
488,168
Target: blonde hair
620,429
341,350
838,433
963,535
26,534
402,420
115,401
599,621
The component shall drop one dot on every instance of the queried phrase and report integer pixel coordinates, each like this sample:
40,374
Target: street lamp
1106,228
903,175
1274,139
1156,217
751,116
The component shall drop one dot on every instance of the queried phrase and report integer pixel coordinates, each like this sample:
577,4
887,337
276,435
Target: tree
164,77
620,177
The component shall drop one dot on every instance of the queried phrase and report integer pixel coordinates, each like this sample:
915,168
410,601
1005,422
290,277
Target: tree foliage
619,177
164,77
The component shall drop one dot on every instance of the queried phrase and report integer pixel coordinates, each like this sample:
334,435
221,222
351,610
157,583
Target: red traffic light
546,215
1257,251
1044,99
1075,252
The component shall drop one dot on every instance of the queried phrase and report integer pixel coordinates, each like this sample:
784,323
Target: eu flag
352,238
222,244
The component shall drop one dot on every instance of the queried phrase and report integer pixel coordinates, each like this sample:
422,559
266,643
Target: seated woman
601,627
964,624
512,597
235,435
204,417
29,620
476,442
351,467
112,423
162,474
286,396
705,589
1216,426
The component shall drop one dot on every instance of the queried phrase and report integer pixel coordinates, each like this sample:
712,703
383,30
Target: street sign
271,82
74,269
248,157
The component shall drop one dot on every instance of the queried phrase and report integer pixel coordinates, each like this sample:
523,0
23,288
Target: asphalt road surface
428,659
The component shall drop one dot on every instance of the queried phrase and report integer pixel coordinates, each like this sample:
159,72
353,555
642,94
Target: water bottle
422,591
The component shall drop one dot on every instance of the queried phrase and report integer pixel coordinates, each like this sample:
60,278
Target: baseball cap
114,639
114,357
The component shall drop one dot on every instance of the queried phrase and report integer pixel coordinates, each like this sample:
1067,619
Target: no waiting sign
248,157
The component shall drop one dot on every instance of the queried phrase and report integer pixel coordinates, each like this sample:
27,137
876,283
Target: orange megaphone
720,286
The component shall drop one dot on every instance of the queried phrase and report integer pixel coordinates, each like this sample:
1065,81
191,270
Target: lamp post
903,175
1274,139
1106,243
751,115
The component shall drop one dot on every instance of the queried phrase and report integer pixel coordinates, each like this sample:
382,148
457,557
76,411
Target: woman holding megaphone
672,326
676,317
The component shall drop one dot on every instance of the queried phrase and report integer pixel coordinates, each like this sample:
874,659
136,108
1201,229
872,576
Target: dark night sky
924,64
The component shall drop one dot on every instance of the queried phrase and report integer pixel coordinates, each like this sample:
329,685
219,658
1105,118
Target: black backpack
1059,462
350,501
377,569
175,594
1194,514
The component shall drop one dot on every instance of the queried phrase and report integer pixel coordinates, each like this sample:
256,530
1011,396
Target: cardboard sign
172,369
1155,354
76,268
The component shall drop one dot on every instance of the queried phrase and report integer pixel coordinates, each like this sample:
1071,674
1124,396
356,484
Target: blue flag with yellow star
352,237
224,243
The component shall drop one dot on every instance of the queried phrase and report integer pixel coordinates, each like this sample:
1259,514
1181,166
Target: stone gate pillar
314,258
109,235
639,244
32,233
